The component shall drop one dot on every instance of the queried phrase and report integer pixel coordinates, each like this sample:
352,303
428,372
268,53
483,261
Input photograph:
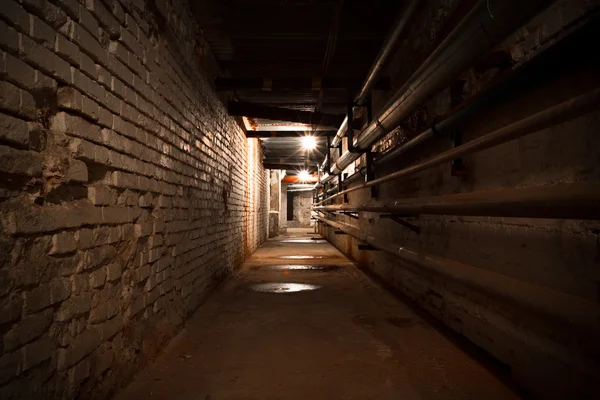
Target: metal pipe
382,57
563,201
551,116
561,308
486,25
557,60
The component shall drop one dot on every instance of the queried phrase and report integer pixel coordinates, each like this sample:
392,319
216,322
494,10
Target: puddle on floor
282,287
299,267
300,257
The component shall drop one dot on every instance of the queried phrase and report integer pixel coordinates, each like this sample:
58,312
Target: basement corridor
300,321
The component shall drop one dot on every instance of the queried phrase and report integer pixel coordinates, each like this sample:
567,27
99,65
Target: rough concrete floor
346,339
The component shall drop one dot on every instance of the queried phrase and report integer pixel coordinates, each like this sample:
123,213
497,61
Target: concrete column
275,203
283,209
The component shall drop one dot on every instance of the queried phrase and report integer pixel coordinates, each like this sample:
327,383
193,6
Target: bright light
304,175
309,142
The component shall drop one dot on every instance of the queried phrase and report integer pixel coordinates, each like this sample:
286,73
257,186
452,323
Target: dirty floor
299,321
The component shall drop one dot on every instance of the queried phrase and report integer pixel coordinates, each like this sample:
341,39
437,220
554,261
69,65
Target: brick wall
126,191
549,360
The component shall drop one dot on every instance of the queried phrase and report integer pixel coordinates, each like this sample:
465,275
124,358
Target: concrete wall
126,191
549,359
302,208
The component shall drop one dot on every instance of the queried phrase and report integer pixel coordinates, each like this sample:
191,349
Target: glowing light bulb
303,175
309,142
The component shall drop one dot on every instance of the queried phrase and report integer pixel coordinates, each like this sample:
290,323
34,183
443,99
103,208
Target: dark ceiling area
292,65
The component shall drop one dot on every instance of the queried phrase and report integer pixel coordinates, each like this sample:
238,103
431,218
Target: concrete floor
344,339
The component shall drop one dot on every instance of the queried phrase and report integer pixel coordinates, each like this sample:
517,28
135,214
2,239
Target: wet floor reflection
282,287
299,267
300,257
315,241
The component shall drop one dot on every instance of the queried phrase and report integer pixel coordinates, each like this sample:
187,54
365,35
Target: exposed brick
76,305
119,215
88,44
42,33
47,11
130,41
72,124
104,77
97,278
111,327
88,66
80,347
17,101
119,70
29,328
114,272
87,21
15,15
63,242
77,172
67,50
37,352
124,154
84,238
88,151
10,310
105,18
118,89
9,38
17,162
30,220
88,86
10,366
25,76
105,117
101,195
45,60
14,131
71,7
79,372
47,294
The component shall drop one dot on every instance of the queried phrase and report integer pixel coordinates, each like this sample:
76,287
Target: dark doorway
290,206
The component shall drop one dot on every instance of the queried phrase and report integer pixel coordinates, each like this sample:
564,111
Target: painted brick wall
126,191
549,360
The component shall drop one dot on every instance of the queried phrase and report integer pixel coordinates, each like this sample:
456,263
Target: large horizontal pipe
386,51
557,60
565,200
555,306
292,84
552,116
485,26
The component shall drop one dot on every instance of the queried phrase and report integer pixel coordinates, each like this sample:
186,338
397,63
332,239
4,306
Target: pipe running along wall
552,305
554,115
564,201
485,26
384,54
545,67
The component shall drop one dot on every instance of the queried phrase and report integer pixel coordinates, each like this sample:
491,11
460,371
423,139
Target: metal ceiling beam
283,114
309,168
290,84
287,134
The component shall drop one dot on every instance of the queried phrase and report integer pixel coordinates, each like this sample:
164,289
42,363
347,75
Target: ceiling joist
244,109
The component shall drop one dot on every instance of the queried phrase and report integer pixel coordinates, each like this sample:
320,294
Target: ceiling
307,57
